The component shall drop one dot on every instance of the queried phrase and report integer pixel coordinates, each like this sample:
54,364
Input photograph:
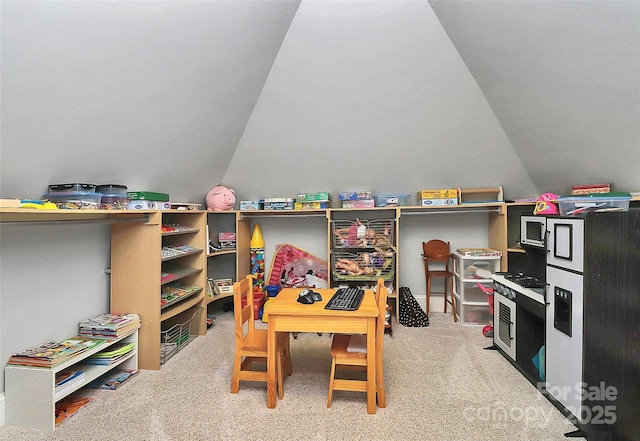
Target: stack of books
53,353
109,326
112,354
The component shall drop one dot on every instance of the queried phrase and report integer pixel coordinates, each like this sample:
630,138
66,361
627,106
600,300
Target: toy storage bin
378,233
174,337
581,205
371,265
258,301
114,201
75,200
391,200
478,315
112,189
470,291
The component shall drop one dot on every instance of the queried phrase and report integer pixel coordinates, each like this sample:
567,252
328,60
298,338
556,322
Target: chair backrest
381,293
243,289
436,251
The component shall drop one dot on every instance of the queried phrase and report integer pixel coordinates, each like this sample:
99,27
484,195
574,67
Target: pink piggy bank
221,198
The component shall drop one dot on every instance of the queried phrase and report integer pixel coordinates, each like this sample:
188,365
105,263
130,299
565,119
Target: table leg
371,365
271,363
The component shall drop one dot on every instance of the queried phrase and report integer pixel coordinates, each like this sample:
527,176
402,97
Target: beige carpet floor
441,385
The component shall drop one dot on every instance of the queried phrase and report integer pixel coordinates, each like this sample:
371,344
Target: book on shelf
67,378
52,353
67,407
113,380
478,252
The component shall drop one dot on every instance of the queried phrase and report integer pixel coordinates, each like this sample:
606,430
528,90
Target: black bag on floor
411,313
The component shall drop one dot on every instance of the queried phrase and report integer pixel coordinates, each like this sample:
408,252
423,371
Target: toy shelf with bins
138,275
30,391
363,248
472,304
227,263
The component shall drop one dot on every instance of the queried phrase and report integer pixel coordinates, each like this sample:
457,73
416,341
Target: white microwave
533,231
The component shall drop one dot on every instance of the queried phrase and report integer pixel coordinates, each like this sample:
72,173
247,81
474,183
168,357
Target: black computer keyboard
346,299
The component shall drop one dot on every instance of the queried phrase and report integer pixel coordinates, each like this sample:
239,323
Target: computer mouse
316,296
306,299
304,292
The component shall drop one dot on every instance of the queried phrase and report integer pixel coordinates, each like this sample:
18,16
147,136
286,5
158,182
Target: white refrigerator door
563,352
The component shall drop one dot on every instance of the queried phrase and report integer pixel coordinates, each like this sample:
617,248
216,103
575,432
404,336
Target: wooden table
285,314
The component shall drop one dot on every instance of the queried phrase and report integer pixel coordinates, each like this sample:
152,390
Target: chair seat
356,359
339,349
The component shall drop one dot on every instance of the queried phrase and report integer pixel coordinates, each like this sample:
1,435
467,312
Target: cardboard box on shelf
354,195
359,203
321,196
438,202
148,195
447,193
311,205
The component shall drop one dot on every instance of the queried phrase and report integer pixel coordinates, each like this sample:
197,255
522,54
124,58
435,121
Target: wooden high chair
345,358
436,256
251,343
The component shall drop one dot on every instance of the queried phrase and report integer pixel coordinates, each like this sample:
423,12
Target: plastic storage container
75,200
474,314
391,200
258,301
114,201
581,205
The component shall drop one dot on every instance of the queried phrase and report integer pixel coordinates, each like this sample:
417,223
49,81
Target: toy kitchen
567,321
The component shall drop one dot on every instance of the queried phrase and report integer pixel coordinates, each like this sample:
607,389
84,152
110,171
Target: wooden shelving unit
137,270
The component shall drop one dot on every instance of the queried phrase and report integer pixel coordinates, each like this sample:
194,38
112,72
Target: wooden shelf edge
182,306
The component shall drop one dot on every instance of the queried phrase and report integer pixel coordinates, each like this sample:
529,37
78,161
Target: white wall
51,277
371,96
310,234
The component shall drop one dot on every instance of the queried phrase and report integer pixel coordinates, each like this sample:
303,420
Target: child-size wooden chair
251,343
345,358
436,256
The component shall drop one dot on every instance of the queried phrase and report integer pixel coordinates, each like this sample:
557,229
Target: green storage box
148,196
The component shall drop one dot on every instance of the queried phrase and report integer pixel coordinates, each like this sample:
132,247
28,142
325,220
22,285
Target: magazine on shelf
113,380
109,321
111,355
53,353
69,406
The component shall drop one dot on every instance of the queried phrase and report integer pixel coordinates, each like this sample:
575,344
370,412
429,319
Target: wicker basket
363,233
364,266
173,339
